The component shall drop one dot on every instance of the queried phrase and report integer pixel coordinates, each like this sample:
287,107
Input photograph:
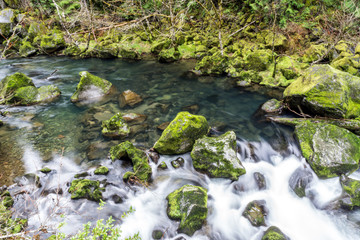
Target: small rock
193,109
162,166
45,170
130,98
299,181
134,118
177,163
274,233
163,126
157,234
260,180
153,155
101,171
255,212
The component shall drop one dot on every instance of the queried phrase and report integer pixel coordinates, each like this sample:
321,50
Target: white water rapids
310,217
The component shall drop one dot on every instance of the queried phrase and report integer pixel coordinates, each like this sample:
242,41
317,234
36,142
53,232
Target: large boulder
115,127
85,188
216,156
189,205
325,91
141,167
330,150
90,87
31,95
180,135
10,84
50,42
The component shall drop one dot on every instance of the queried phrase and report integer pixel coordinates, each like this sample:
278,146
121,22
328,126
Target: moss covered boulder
141,167
258,60
180,135
50,42
169,55
85,188
31,95
10,84
216,64
352,191
216,156
330,150
90,87
26,49
314,53
189,205
325,91
274,233
255,212
115,127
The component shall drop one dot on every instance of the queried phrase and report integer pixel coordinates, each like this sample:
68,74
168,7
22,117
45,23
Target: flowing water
66,138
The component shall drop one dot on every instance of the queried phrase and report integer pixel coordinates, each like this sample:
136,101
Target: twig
241,29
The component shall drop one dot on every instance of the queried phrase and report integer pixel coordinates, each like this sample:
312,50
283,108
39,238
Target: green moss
25,95
36,29
141,167
330,150
85,188
217,157
10,84
258,60
255,213
160,44
314,52
326,91
45,170
169,55
216,64
180,135
187,51
89,82
352,188
27,49
343,46
101,171
189,205
290,68
274,233
115,127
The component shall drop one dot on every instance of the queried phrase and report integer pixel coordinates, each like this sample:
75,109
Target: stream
66,138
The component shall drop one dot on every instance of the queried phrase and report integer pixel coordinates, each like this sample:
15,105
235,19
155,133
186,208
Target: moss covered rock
255,212
45,170
31,95
216,156
141,167
50,42
36,29
115,127
274,233
216,64
258,60
289,67
6,22
26,49
10,84
180,135
189,205
101,171
314,53
169,55
85,188
90,87
352,190
331,151
325,91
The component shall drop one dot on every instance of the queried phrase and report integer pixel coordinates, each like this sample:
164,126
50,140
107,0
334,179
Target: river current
65,137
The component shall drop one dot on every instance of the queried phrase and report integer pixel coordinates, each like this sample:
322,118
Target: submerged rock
260,180
352,190
85,188
130,98
141,167
274,233
216,156
255,212
179,137
177,163
189,205
115,127
331,151
325,91
90,87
